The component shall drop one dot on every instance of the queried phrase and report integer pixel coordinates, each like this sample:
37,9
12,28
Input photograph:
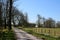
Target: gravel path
22,35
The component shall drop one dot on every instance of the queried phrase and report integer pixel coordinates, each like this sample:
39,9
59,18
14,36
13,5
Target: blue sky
46,8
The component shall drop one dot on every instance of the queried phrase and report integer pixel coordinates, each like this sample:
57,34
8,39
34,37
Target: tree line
11,16
47,23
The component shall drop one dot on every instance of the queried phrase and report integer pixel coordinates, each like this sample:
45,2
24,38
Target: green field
48,33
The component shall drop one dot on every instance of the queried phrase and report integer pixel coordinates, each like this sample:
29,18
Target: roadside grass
5,34
36,32
55,32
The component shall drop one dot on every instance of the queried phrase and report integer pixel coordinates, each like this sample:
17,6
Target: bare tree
38,21
50,23
10,12
43,21
58,24
0,14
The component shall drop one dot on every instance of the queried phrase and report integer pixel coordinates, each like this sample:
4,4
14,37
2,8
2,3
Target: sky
45,8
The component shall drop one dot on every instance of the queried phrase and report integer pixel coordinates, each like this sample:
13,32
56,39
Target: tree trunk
0,14
10,9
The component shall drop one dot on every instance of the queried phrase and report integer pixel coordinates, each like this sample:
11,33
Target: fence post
54,33
49,32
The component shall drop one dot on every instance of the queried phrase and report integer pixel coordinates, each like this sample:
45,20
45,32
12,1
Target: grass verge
7,35
46,37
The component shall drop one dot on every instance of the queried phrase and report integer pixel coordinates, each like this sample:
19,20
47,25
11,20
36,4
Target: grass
7,35
53,33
